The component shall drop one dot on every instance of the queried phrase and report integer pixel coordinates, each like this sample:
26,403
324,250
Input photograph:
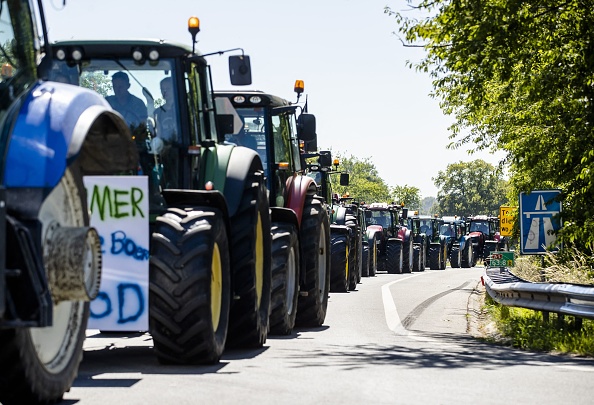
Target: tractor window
479,226
295,142
248,131
18,52
147,98
281,133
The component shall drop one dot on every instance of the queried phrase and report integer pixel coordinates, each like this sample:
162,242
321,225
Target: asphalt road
397,339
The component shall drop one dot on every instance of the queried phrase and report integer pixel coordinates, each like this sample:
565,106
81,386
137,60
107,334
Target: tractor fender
463,241
298,187
403,234
228,168
339,215
375,229
340,230
285,215
198,198
49,131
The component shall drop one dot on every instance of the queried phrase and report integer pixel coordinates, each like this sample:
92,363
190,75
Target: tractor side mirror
325,159
224,124
344,179
240,70
306,127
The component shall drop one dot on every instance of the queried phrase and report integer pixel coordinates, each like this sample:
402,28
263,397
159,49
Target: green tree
429,206
470,188
518,76
365,184
409,195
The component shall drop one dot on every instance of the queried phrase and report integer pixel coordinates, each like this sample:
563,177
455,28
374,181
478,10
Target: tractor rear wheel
455,257
341,263
416,258
394,257
285,278
435,256
190,286
251,266
365,260
373,257
467,255
407,255
315,256
40,364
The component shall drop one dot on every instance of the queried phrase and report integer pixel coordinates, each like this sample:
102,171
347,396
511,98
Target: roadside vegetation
528,329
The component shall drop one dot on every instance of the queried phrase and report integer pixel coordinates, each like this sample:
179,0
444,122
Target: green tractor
273,127
210,260
437,247
347,225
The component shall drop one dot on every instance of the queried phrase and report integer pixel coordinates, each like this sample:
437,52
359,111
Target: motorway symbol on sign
538,220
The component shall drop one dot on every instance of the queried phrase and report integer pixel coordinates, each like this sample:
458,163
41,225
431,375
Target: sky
368,103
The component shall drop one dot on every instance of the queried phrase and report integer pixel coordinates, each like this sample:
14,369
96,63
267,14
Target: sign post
539,221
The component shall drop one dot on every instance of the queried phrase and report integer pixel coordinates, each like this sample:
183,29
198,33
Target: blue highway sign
539,221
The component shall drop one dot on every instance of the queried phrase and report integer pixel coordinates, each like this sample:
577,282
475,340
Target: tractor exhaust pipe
73,262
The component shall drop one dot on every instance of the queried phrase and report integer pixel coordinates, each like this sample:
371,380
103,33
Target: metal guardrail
510,290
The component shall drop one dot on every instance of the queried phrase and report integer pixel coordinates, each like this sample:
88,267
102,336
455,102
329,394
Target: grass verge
526,329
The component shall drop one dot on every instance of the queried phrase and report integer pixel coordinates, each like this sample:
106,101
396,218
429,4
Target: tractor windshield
382,218
146,97
479,226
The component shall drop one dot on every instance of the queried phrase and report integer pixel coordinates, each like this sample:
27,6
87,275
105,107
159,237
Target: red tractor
383,223
484,232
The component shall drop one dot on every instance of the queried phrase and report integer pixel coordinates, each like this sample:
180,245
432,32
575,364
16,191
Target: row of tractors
240,237
245,236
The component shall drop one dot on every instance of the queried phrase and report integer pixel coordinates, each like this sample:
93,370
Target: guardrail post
545,316
560,320
578,323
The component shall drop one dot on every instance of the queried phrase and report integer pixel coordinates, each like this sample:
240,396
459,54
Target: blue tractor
50,258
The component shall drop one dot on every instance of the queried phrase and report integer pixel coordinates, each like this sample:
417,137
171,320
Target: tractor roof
252,98
123,48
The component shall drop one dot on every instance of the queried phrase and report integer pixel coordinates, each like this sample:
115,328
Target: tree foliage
410,196
517,76
470,188
365,183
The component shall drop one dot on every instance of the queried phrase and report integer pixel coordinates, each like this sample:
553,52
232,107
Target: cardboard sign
119,212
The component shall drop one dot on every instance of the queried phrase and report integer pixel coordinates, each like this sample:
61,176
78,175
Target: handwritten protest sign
119,212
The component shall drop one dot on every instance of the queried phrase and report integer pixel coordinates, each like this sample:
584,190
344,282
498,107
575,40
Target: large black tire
455,257
423,256
285,278
468,255
315,256
341,263
355,262
444,256
435,256
365,260
373,257
354,251
394,257
37,365
416,257
407,255
190,286
251,267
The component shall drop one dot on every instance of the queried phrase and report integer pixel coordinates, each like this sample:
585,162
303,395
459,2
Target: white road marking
392,318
